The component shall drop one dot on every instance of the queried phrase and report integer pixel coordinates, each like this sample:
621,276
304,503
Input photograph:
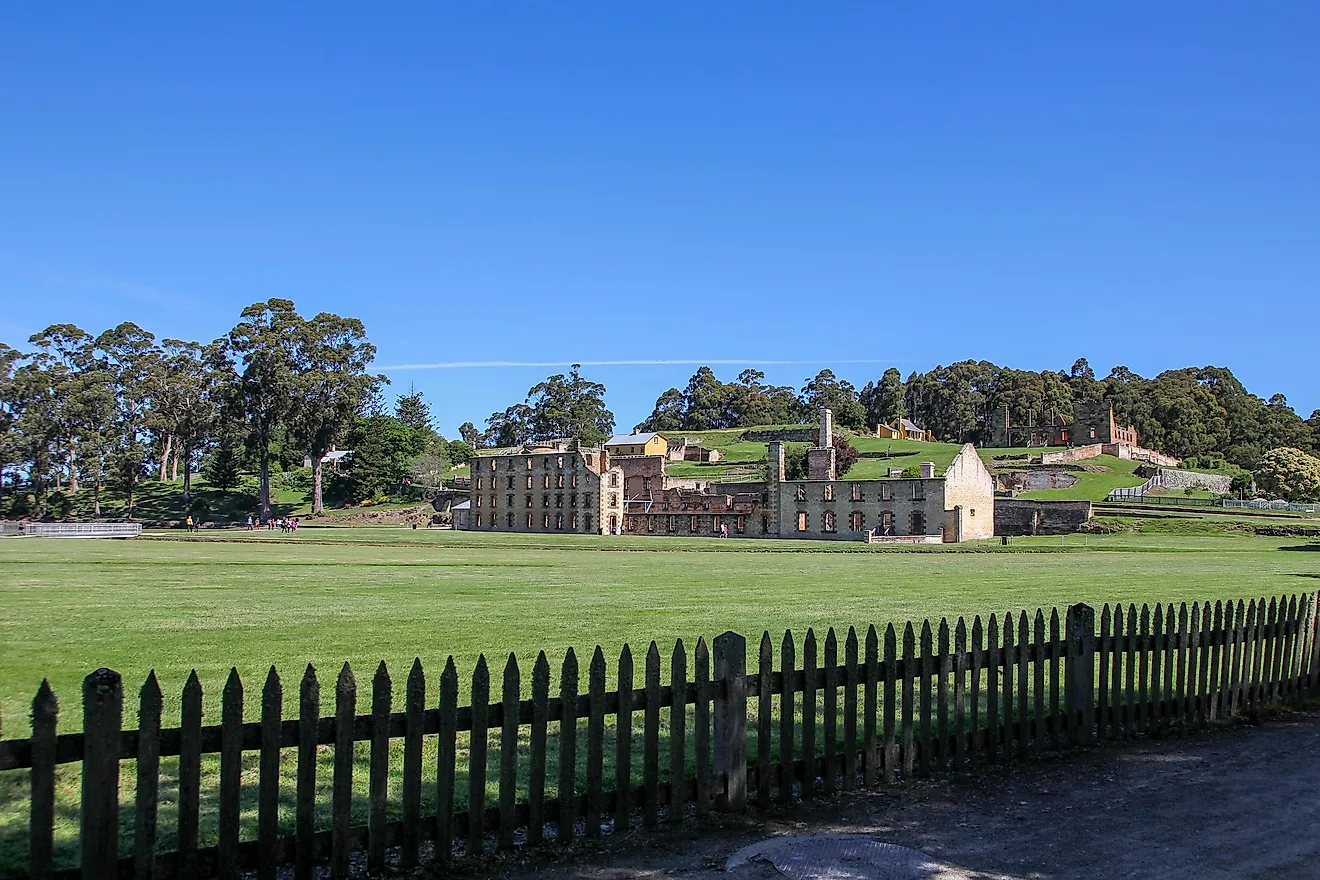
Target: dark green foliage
222,468
1289,474
383,449
413,410
795,462
459,452
826,390
707,403
562,407
883,400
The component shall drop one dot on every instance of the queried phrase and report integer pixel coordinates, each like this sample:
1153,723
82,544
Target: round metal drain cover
843,857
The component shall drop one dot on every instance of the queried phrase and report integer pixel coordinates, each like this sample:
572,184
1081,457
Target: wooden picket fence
929,703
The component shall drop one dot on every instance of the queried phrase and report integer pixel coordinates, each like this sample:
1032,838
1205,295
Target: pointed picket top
272,692
1054,621
653,655
925,631
597,663
449,677
192,694
960,630
625,656
45,704
150,694
942,633
346,683
309,677
831,642
481,670
416,687
679,651
992,631
569,670
541,669
382,687
850,643
909,636
978,631
767,647
233,687
809,643
511,673
702,652
872,640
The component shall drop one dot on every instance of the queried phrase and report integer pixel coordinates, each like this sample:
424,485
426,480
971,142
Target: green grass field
365,594
333,594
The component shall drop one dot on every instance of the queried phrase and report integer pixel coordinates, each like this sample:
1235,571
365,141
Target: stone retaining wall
1174,479
1020,516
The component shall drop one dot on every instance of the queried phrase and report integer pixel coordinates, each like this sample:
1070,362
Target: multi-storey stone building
547,487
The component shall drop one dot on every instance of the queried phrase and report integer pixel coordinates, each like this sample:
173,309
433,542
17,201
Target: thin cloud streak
464,365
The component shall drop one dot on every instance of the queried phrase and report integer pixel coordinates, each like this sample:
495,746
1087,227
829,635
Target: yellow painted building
638,444
903,430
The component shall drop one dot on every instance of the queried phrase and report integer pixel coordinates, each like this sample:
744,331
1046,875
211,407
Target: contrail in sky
460,365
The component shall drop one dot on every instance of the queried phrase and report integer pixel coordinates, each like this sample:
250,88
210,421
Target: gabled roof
631,439
910,425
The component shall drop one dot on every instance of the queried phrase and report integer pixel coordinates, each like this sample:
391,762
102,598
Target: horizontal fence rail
800,723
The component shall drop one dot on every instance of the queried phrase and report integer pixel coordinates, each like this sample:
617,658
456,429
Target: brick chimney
826,438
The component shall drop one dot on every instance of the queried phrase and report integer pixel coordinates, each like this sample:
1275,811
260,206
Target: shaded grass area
1093,486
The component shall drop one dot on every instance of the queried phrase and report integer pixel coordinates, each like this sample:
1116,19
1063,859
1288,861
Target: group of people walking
286,524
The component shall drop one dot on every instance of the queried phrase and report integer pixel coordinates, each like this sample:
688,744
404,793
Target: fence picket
890,754
342,783
1180,658
764,716
478,744
909,673
1143,671
787,665
414,710
1214,689
1104,698
960,695
1170,659
1038,685
623,743
1289,631
231,775
870,682
1234,661
1156,668
974,722
511,694
41,815
378,780
850,679
595,743
830,713
1131,647
677,731
808,789
943,671
1024,669
103,720
446,763
651,740
701,726
1009,660
537,755
1203,667
992,688
925,728
309,717
1272,657
148,778
1056,709
268,796
190,774
566,788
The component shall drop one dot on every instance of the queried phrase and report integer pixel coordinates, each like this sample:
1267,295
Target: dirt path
1237,803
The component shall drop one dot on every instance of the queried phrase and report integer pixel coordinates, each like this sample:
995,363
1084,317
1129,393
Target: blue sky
854,185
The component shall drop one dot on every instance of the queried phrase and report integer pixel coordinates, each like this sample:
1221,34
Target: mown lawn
329,595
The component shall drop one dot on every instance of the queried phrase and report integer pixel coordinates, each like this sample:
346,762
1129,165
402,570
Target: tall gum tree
333,386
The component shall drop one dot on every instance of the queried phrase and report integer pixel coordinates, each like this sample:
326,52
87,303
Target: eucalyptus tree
266,343
188,390
129,355
333,386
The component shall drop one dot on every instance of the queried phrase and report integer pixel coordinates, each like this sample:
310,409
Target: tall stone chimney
826,439
928,470
775,459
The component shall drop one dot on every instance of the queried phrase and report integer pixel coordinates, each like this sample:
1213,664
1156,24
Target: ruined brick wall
1019,516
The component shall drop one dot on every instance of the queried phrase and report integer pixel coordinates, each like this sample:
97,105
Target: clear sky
898,183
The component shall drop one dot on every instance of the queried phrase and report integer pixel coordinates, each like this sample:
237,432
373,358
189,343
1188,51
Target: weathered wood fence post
731,719
1079,698
103,716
